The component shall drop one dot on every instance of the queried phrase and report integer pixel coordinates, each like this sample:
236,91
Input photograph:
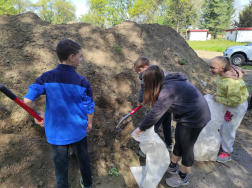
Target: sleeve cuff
218,99
31,96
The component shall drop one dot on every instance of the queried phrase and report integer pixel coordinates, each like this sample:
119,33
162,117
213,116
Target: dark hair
65,48
153,78
225,62
141,62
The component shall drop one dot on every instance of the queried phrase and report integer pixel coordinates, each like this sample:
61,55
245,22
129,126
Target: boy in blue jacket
68,112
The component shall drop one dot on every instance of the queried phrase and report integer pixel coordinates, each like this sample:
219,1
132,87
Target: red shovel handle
136,109
13,97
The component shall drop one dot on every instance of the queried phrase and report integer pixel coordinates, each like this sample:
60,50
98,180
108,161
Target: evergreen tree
217,15
245,17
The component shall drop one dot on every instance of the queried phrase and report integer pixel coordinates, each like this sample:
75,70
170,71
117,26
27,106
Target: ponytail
228,64
224,62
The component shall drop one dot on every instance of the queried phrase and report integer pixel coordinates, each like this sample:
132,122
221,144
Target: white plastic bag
157,159
208,143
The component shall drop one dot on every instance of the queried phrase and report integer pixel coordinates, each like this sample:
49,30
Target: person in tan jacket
231,92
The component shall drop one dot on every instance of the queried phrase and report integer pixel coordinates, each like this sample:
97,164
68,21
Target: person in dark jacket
140,65
174,94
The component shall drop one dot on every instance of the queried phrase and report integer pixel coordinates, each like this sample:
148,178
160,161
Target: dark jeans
185,138
61,156
166,122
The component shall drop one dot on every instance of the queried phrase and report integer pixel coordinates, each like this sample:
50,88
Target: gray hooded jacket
180,97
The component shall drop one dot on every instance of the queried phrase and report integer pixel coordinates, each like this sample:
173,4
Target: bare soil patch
27,49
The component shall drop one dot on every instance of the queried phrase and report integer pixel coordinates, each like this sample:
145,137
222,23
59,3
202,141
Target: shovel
13,97
129,114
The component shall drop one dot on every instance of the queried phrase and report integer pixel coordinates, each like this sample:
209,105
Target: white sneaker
176,181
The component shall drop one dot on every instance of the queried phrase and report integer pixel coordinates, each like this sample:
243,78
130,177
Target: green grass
183,60
245,67
249,88
214,45
113,172
118,48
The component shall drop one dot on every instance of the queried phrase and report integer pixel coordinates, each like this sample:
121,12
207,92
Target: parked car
239,54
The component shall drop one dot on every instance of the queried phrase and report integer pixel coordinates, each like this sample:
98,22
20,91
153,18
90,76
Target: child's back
68,112
68,100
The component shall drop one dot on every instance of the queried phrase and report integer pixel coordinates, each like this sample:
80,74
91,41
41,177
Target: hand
42,123
138,131
89,127
214,97
139,104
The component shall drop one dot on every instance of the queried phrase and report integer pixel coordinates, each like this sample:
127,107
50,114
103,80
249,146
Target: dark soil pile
27,49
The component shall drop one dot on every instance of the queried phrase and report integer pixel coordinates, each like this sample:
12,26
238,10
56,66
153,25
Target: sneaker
169,147
224,157
141,153
176,181
173,170
82,184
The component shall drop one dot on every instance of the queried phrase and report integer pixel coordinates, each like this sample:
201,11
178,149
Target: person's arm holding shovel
32,105
34,91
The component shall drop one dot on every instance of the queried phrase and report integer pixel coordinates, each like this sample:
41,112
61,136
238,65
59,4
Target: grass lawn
214,45
246,66
249,89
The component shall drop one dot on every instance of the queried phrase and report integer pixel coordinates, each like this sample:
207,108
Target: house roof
239,28
198,30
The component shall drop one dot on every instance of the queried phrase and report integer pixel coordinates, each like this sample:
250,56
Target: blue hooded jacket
69,99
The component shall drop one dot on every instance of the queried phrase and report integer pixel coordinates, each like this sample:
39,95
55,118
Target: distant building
239,34
198,34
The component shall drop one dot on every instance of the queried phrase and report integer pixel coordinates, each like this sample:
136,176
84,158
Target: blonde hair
224,62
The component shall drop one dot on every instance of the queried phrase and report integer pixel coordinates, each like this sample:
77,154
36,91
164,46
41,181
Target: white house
198,34
239,34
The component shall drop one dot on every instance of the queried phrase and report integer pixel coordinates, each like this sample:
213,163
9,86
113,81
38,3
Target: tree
64,11
21,6
147,11
245,17
56,11
217,15
97,12
7,7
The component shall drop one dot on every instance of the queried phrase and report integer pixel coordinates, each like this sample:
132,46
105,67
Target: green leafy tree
22,6
245,17
97,13
45,9
56,11
7,7
64,11
147,11
217,15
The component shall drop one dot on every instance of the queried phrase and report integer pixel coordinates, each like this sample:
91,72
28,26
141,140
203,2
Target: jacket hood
235,73
141,75
175,76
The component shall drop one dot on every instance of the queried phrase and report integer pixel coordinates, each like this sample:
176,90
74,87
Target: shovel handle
136,109
13,97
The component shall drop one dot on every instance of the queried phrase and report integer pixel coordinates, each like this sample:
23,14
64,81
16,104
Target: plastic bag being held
157,159
208,144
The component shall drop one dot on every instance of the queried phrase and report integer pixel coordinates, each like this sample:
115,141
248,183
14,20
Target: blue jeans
61,156
166,122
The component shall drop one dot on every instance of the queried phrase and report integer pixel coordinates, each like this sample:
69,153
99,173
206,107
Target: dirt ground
27,49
